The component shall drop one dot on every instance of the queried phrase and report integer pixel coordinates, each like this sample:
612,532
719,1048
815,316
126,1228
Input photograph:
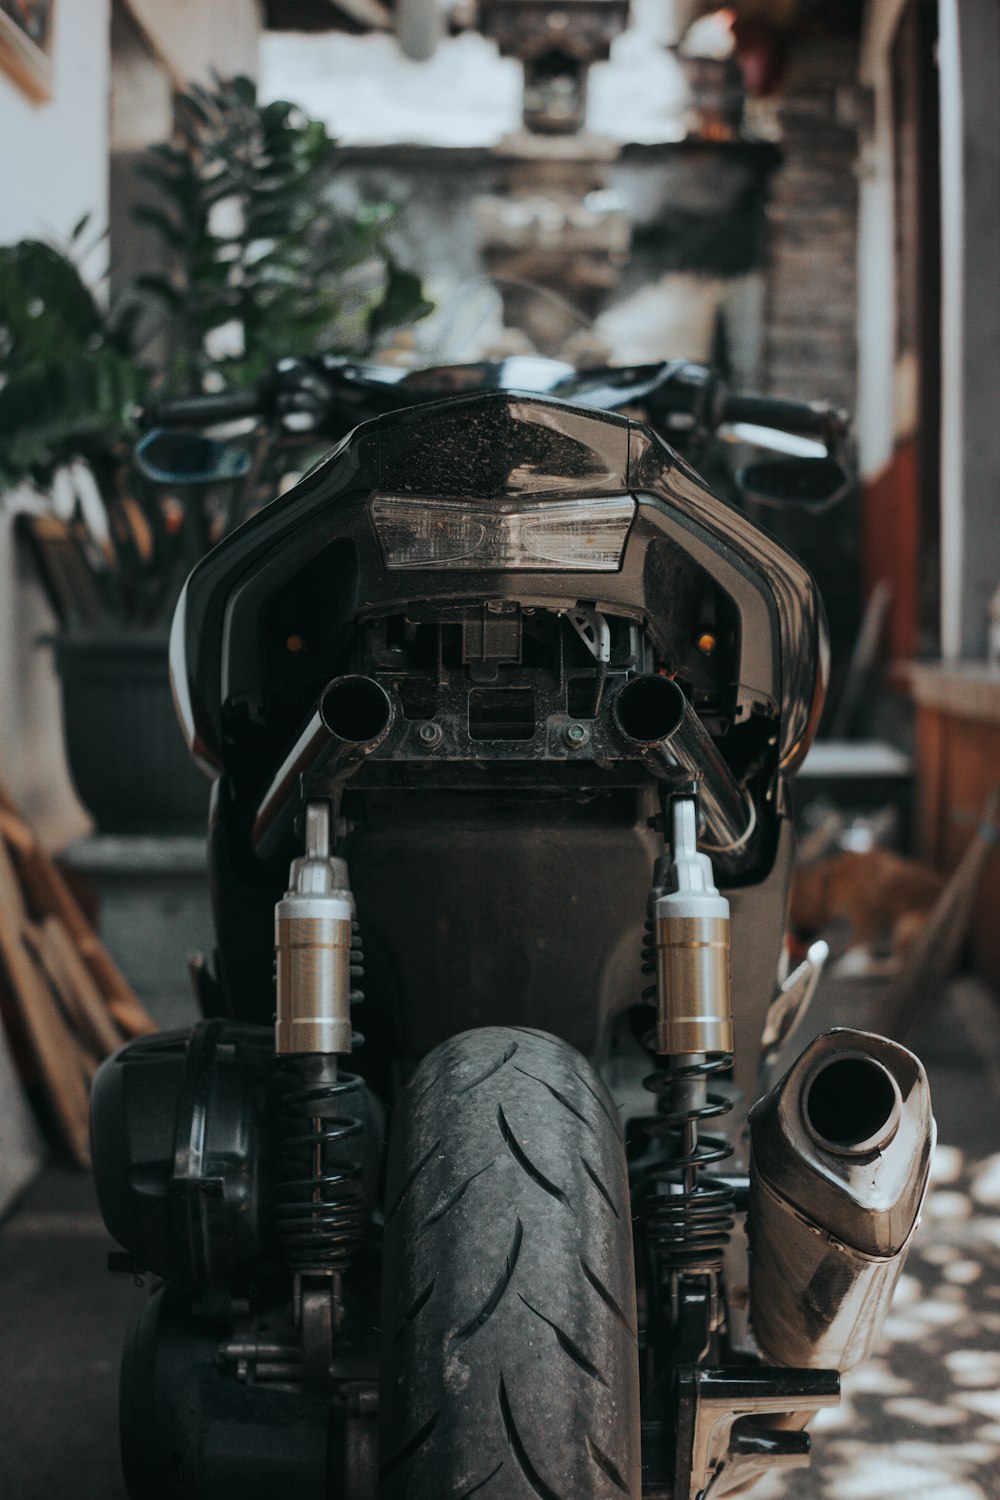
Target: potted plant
257,265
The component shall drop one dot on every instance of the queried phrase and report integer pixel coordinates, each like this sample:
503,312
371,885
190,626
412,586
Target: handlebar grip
810,418
202,411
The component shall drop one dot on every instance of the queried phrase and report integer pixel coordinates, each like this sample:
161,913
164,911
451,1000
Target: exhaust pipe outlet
356,710
653,713
840,1155
352,717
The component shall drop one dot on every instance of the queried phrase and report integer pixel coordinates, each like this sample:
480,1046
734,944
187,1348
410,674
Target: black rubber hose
810,418
203,411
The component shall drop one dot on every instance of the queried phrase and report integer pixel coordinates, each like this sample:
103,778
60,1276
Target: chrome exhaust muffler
840,1156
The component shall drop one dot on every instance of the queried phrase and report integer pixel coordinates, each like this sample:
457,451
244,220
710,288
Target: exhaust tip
851,1105
356,709
649,709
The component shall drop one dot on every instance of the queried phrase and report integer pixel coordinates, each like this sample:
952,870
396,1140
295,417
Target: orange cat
884,898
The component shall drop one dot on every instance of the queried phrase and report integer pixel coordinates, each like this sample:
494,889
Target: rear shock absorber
687,1211
320,1198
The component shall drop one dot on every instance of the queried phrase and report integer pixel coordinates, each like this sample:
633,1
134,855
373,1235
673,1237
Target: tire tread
509,1366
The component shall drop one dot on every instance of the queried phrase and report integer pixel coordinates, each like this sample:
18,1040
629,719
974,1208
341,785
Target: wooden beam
55,1050
50,896
61,959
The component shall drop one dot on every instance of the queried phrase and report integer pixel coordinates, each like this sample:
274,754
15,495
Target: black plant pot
124,746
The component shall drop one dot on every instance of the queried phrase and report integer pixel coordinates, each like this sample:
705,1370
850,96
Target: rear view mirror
809,484
169,456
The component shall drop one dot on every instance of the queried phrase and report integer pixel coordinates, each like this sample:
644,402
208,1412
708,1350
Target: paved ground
921,1421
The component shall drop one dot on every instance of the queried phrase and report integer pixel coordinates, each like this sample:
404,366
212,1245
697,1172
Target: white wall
876,415
55,154
969,59
55,171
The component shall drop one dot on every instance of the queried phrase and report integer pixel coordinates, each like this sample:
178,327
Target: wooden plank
931,782
100,1023
133,1020
934,956
50,895
17,833
55,1050
74,982
37,944
89,1055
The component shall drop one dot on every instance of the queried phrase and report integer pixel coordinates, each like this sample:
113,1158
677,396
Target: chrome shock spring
688,1213
320,1208
319,1196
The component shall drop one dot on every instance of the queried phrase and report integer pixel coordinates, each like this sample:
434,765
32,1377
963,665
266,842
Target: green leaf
167,228
43,298
403,301
162,289
51,413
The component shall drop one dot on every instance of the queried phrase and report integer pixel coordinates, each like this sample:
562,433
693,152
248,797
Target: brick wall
810,343
810,300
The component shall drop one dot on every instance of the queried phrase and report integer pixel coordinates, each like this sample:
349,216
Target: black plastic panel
489,447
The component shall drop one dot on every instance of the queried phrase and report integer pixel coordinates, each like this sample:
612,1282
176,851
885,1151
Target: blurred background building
804,194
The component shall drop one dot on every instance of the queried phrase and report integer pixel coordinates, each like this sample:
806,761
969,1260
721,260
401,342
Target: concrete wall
809,315
55,172
810,343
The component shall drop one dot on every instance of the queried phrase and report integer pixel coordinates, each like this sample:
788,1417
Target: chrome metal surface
676,738
723,1460
840,1155
788,1010
687,1212
693,968
691,932
803,642
320,744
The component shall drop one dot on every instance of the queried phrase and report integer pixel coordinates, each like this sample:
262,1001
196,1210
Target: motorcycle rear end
502,690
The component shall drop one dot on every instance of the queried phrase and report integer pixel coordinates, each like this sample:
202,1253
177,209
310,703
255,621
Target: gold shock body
692,960
313,951
691,927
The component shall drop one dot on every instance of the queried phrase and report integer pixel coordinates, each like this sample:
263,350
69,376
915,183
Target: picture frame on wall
26,31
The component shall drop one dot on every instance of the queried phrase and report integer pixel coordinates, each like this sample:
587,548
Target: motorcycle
502,688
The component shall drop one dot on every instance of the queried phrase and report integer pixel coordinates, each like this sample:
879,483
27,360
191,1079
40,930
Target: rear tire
509,1356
